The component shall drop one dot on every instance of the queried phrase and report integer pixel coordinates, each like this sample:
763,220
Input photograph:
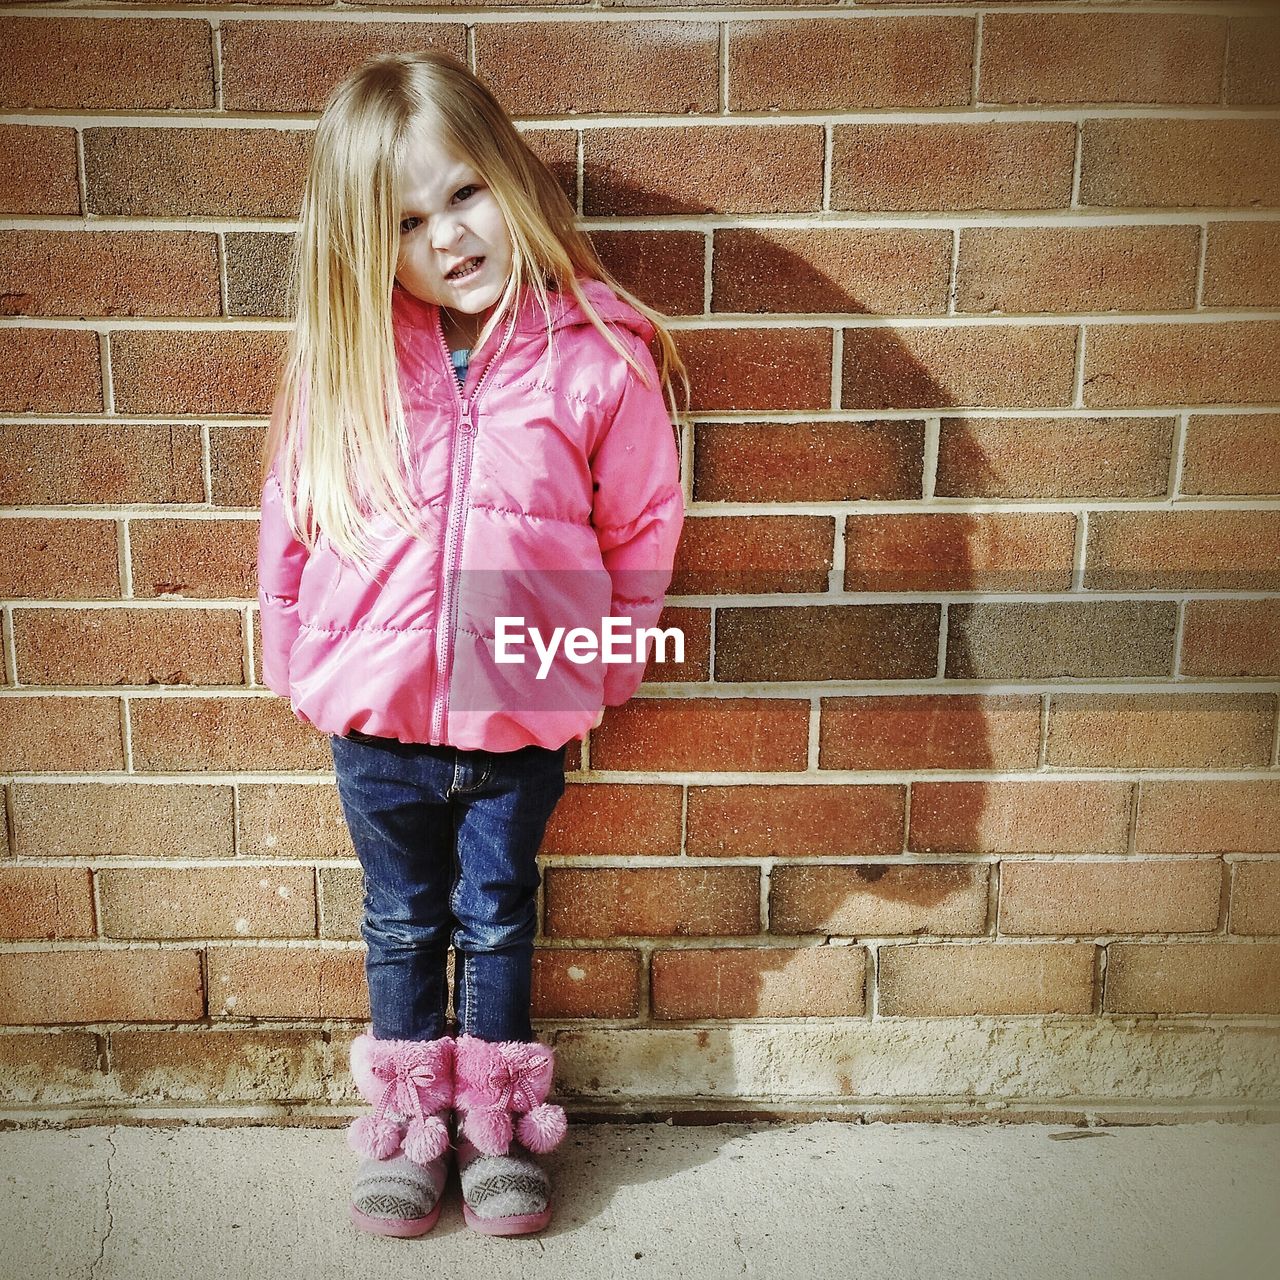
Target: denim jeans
448,840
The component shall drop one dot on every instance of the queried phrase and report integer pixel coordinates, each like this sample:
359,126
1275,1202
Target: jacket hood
566,311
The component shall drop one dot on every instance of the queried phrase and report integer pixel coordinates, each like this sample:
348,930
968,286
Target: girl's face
449,217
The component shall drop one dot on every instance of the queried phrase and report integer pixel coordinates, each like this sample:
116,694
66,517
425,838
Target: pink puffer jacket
551,498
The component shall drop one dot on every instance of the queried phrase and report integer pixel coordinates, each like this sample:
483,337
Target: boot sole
401,1227
521,1224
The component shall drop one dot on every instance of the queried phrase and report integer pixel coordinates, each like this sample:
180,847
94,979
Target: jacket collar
566,312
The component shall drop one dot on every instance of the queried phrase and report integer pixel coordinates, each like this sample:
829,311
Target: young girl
470,434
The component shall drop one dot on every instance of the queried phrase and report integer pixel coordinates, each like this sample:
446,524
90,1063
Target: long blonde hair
338,431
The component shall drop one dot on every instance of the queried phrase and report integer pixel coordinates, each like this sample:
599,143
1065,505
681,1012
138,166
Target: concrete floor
804,1200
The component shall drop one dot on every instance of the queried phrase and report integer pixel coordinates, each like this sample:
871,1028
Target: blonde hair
338,428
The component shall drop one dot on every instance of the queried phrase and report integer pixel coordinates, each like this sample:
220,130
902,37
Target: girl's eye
465,192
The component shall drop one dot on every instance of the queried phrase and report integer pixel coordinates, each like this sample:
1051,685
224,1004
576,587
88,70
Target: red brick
1209,817
258,274
558,150
995,640
1255,898
66,462
828,642
1109,897
341,902
1158,364
586,983
50,1067
807,461
926,731
1161,730
959,552
1029,270
293,820
223,734
46,902
287,982
109,273
60,735
1192,550
695,625
666,269
944,167
39,173
163,371
1053,457
1020,817
58,559
1180,163
1231,638
1253,56
221,1066
128,646
235,465
878,900
1242,265
795,822
615,902
1004,366
293,66
210,902
120,64
50,371
749,555
205,173
759,982
698,734
1193,977
804,65
615,819
1045,58
758,369
951,980
1232,453
194,558
835,269
106,820
736,168
147,984
569,68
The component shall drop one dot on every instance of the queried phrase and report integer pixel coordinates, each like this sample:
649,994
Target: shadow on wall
780,641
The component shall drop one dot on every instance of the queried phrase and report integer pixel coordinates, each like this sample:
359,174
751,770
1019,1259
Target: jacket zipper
459,480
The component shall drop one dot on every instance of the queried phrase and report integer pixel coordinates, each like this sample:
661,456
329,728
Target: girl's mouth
467,270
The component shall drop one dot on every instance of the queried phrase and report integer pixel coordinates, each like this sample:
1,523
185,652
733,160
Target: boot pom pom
371,1136
425,1139
542,1128
490,1129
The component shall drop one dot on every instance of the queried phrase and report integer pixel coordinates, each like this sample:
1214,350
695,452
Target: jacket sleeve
638,511
281,558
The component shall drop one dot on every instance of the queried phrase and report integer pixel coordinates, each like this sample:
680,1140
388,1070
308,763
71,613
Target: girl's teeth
468,269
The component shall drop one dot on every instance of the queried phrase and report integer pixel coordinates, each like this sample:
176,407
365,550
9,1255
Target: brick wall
966,798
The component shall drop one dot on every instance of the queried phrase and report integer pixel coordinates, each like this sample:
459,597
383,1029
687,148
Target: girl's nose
445,233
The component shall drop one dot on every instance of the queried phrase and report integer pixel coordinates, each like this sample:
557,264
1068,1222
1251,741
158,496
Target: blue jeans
448,840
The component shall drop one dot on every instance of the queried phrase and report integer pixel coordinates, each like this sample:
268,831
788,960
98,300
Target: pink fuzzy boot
503,1119
405,1142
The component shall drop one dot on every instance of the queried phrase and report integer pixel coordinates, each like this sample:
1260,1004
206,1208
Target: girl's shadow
828,462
